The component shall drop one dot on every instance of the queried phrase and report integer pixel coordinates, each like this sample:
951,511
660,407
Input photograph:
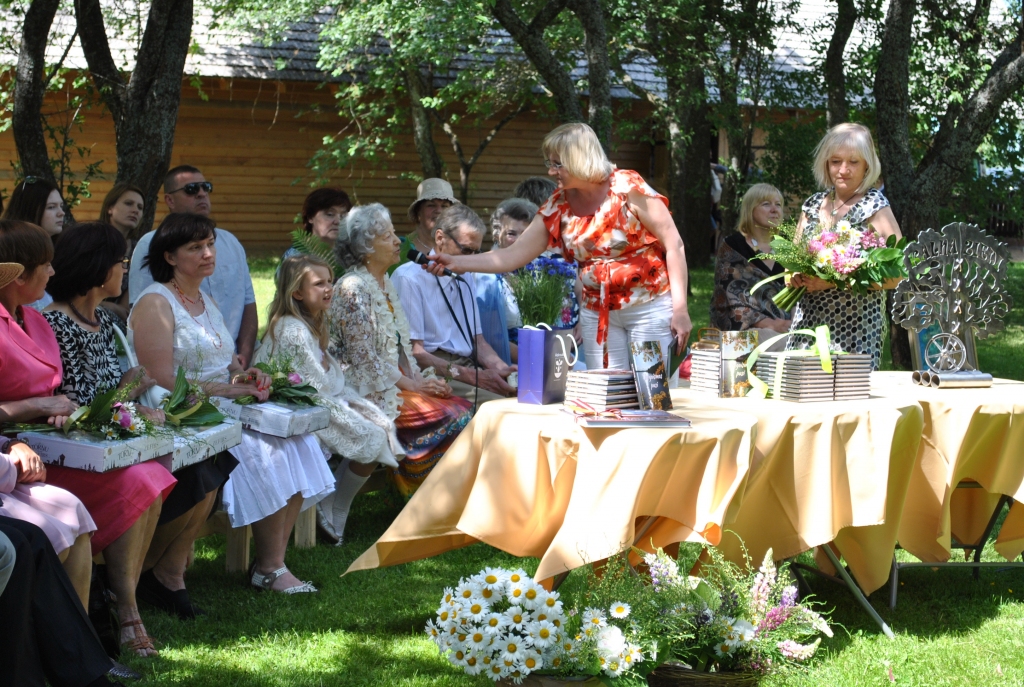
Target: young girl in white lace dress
359,432
174,325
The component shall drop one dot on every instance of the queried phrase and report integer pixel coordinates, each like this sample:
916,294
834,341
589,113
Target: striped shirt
430,319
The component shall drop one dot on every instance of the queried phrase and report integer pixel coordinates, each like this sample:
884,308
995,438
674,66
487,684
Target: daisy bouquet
853,257
287,385
111,415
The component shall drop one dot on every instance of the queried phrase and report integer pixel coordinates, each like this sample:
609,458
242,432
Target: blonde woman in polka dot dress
846,166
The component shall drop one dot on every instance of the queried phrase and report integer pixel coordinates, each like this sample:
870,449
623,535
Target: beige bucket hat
9,271
432,189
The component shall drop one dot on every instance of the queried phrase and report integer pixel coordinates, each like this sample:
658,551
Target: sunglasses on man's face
465,250
193,188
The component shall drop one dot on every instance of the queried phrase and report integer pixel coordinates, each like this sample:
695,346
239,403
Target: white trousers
649,321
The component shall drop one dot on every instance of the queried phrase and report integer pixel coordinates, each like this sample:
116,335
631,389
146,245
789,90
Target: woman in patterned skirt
846,166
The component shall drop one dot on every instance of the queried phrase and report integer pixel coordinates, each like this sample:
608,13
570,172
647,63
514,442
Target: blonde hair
579,151
755,195
856,137
289,280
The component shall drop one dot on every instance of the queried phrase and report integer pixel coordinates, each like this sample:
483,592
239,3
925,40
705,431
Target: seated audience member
360,432
38,201
733,307
323,212
508,222
433,196
47,635
537,190
444,326
372,338
174,326
31,369
186,190
89,265
122,208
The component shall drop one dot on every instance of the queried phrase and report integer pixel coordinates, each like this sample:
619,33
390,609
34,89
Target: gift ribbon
561,342
820,334
582,410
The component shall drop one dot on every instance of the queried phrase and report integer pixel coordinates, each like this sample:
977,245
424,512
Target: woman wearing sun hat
432,197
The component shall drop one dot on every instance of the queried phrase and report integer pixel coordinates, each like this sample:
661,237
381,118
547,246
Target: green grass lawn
366,628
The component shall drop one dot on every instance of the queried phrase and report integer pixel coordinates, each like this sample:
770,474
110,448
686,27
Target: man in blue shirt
230,286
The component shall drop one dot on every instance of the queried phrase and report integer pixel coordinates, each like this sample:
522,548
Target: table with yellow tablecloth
969,435
527,480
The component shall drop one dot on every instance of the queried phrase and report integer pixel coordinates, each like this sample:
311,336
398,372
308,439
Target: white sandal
263,582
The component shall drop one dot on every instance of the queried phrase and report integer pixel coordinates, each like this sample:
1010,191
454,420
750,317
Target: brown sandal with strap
141,641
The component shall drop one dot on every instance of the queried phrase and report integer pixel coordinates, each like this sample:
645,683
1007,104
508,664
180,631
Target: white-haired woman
358,430
620,233
847,168
370,336
733,307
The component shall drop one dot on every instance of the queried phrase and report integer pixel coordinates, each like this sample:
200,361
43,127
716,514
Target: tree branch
591,16
494,132
60,63
93,36
835,77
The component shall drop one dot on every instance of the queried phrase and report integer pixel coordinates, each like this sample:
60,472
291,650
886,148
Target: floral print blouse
621,262
733,307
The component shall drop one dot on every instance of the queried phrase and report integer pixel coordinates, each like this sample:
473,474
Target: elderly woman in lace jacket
733,307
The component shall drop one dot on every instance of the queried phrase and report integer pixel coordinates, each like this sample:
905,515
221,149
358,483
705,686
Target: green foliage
789,153
541,289
304,242
189,405
286,386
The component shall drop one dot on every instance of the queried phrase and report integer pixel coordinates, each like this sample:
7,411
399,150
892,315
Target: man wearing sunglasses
444,322
187,190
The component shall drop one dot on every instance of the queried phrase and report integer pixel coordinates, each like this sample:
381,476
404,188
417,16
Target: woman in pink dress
31,370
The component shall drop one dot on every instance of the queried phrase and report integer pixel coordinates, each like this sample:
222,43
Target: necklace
82,317
836,208
219,342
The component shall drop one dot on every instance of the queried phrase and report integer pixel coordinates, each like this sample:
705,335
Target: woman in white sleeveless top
174,325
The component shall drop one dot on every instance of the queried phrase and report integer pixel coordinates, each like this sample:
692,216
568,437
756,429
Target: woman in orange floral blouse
620,233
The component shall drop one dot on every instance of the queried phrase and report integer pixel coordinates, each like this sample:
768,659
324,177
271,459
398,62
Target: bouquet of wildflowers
189,405
286,384
110,415
854,257
542,291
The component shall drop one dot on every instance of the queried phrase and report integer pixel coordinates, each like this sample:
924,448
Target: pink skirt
116,499
57,512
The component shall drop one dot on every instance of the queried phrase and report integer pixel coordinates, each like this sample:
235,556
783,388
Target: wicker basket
670,675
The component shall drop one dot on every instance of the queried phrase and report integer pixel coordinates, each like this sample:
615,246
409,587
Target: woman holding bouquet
847,167
89,267
359,430
619,231
371,337
174,326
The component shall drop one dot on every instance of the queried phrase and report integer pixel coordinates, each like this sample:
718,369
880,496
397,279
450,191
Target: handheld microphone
421,259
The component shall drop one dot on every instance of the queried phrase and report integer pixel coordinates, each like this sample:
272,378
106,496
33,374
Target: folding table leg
857,593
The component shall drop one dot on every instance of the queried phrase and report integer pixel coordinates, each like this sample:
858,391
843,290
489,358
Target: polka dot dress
856,323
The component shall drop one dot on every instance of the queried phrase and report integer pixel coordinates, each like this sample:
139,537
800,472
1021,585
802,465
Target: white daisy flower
445,616
611,641
496,670
433,631
458,656
473,665
594,618
467,590
512,649
635,655
449,595
478,640
743,631
619,609
532,595
493,579
614,667
491,595
518,575
516,592
475,610
532,660
544,634
551,603
723,649
515,618
495,623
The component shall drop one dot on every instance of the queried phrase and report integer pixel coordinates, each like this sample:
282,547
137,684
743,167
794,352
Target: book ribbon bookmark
820,348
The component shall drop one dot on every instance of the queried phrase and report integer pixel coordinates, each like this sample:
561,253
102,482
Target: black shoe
156,594
123,672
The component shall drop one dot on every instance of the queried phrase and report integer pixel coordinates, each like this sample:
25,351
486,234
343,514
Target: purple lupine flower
789,595
774,618
663,571
797,652
294,378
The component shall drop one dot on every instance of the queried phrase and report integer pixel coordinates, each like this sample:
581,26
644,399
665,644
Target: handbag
544,363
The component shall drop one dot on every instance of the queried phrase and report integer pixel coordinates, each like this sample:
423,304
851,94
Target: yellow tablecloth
527,480
969,434
824,472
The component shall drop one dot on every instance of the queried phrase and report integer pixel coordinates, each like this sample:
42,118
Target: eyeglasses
193,188
553,165
465,250
126,262
29,180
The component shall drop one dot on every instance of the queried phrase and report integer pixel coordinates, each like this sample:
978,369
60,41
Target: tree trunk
835,78
422,131
530,38
466,165
591,16
689,170
144,108
30,88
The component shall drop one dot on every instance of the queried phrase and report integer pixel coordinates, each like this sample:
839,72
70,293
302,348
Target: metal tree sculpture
956,282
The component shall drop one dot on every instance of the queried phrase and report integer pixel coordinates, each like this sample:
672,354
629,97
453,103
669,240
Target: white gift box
93,453
193,444
277,419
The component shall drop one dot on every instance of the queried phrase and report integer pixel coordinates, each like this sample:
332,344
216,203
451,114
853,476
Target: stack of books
706,371
804,381
853,377
601,389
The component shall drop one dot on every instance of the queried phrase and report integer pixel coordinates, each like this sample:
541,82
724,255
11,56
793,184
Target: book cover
648,365
635,418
